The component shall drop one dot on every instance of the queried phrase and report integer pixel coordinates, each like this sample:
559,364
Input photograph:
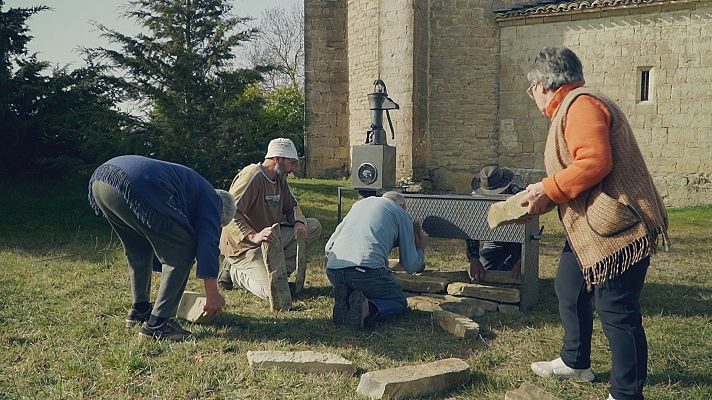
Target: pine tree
180,68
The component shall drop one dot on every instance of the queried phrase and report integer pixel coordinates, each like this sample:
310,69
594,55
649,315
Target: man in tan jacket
263,198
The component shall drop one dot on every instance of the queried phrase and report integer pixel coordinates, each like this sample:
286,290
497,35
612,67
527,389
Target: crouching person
167,216
357,260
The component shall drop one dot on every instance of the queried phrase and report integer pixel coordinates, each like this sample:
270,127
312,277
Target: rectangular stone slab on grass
414,380
304,361
503,295
191,307
421,284
456,324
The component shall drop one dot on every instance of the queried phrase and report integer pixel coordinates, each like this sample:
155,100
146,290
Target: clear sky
58,33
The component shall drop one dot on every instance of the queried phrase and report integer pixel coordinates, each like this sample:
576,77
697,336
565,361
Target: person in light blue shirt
357,259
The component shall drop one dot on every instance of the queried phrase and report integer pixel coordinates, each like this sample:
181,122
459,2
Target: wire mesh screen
465,217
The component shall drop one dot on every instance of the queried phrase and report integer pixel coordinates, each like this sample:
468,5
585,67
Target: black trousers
618,306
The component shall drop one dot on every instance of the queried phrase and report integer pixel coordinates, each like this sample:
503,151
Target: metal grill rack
465,217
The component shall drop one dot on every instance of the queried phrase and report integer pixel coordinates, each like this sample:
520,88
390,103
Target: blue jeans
378,285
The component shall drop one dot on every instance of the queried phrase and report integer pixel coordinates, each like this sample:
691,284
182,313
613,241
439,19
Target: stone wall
381,45
459,77
363,31
673,128
462,114
326,88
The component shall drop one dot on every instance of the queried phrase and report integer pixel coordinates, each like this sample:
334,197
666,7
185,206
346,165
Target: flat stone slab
421,284
508,211
456,324
528,392
430,303
500,294
451,276
301,270
486,305
499,278
414,380
304,361
191,307
280,298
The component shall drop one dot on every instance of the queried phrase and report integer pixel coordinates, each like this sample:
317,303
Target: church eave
538,10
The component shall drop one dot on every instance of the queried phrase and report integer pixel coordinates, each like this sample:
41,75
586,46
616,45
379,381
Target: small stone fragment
456,324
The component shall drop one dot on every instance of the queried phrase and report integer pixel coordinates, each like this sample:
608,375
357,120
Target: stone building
457,68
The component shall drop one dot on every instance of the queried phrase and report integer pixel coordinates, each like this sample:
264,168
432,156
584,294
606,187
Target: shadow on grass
656,299
406,338
665,378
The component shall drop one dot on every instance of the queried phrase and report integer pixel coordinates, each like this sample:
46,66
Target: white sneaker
557,368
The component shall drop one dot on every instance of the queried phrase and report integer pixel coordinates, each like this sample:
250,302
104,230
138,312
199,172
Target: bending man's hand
214,301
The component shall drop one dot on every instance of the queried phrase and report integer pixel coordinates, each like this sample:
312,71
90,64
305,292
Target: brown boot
280,298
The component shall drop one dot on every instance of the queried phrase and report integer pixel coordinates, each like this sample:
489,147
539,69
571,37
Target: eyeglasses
530,90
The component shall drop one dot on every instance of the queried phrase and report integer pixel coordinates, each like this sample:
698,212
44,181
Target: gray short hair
395,196
228,206
554,67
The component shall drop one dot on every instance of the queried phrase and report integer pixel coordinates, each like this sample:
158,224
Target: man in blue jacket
357,259
166,215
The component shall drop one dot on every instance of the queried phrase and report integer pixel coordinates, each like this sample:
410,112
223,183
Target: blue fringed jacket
162,193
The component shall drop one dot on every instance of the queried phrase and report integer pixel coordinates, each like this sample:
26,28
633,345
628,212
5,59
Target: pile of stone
454,300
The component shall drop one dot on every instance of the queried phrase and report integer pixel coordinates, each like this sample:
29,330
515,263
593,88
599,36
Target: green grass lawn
64,294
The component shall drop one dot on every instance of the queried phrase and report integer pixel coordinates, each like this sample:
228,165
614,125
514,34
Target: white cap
281,147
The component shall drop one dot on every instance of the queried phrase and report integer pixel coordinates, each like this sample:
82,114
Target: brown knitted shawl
617,222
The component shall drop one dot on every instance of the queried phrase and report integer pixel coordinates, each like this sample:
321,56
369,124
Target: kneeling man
263,198
357,259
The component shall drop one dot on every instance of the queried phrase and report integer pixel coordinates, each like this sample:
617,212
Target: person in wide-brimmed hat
499,256
492,179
